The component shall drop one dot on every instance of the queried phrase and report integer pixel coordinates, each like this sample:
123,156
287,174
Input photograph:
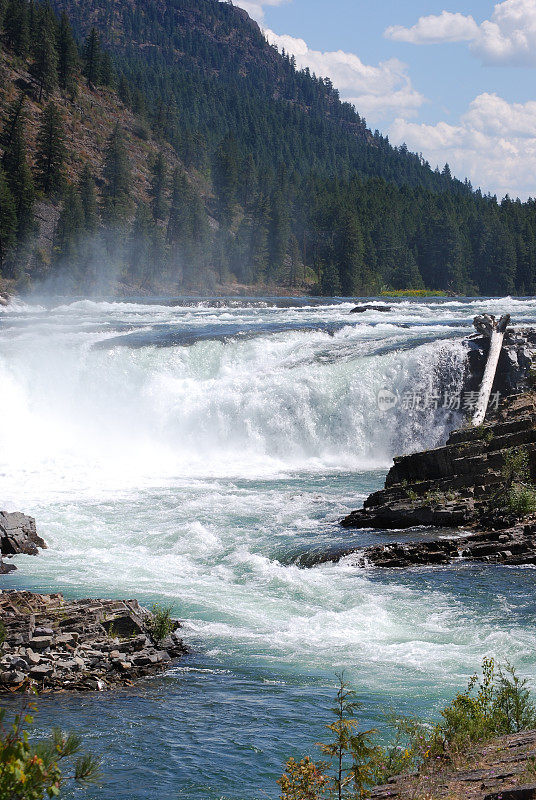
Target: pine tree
139,243
16,168
88,197
16,27
123,90
349,250
116,175
351,751
67,54
296,265
69,229
225,178
157,187
92,58
8,220
44,66
106,70
50,150
330,282
279,233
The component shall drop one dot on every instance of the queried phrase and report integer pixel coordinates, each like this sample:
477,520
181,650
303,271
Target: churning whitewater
195,453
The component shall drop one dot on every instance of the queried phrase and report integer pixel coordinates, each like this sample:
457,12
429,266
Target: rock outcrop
18,535
510,547
499,770
459,484
82,645
514,370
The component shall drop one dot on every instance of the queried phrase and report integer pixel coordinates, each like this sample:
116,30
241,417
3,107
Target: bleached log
488,325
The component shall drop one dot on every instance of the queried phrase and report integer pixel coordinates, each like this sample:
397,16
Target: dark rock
17,535
514,368
361,309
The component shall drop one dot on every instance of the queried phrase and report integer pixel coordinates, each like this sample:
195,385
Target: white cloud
509,37
378,91
255,8
447,27
494,144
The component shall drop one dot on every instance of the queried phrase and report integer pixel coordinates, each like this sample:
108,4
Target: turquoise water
197,455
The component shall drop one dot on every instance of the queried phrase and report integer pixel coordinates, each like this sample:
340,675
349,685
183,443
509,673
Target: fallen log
488,325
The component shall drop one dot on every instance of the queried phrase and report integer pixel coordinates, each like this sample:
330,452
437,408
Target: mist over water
193,453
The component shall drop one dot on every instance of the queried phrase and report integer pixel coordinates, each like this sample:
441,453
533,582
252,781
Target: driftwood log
489,326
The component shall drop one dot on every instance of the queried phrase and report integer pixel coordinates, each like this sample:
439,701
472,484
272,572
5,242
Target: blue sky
455,80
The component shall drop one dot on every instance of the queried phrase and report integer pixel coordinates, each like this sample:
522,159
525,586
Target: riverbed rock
510,547
368,307
18,535
81,645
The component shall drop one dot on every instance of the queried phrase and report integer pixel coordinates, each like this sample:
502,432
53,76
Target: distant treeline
295,190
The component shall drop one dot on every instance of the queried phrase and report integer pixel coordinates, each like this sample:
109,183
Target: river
194,453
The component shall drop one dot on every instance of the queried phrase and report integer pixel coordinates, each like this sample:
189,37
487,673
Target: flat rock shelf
81,645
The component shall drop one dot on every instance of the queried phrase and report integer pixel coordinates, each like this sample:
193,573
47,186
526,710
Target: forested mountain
219,161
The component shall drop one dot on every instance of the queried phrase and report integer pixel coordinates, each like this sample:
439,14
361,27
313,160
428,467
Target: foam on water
199,474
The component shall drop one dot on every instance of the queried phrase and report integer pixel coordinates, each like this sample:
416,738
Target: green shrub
494,704
521,500
160,624
516,467
33,772
498,703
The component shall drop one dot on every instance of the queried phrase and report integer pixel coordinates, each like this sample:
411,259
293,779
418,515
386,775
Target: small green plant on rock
521,500
160,624
517,495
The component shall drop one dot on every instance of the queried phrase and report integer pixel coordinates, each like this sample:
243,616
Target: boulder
18,535
368,307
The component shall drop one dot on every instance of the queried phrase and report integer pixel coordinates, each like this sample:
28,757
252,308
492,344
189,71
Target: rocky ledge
82,645
460,484
466,484
18,535
502,769
510,547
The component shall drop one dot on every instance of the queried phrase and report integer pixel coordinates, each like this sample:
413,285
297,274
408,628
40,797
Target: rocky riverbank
499,770
469,483
84,645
